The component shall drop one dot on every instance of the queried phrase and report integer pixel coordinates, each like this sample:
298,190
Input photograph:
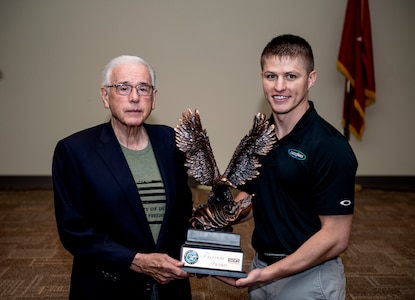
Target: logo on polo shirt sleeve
345,202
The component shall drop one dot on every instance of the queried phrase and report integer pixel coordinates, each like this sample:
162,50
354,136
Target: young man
304,195
122,202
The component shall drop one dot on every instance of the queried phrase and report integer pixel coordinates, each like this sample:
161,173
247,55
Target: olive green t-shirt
143,166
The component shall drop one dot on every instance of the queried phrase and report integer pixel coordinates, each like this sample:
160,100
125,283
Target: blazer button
148,287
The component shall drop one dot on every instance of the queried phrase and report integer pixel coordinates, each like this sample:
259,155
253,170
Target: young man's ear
312,77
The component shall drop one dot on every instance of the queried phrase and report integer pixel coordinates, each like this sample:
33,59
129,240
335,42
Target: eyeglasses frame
116,85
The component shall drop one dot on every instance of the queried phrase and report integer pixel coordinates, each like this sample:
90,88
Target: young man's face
286,84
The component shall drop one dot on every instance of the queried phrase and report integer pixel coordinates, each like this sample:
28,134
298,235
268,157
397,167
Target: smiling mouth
280,97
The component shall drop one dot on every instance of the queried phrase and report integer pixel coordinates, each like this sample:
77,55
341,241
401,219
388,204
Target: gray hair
123,59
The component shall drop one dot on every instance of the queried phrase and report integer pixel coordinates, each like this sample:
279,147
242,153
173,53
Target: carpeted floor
379,264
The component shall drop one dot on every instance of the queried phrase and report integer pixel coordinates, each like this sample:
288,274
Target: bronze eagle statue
221,211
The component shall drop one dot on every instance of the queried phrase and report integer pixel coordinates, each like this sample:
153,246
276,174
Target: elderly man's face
129,110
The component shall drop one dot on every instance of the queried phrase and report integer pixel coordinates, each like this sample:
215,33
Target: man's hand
255,277
161,267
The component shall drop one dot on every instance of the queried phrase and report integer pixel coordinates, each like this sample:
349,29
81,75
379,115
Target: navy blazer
101,221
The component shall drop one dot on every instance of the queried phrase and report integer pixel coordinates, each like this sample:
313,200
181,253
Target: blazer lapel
163,152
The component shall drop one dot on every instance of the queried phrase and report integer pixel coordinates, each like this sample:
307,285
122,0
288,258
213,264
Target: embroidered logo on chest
297,154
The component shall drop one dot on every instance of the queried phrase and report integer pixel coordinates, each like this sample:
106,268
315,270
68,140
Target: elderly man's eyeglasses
123,89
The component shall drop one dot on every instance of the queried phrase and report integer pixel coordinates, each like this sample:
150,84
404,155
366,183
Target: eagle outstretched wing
193,140
245,160
221,211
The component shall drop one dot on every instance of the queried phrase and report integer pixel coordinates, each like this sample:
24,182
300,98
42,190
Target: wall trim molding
394,183
25,182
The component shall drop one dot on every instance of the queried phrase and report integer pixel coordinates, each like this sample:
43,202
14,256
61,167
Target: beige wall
206,54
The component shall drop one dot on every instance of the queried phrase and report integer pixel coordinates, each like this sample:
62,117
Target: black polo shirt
309,172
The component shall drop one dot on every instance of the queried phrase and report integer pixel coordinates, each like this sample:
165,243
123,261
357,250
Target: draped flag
355,62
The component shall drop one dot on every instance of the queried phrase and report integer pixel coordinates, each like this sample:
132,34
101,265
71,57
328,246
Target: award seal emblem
191,257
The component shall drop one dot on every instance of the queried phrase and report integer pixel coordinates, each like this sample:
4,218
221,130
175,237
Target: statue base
216,253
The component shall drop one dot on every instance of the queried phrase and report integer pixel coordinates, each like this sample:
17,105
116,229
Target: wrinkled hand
161,267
